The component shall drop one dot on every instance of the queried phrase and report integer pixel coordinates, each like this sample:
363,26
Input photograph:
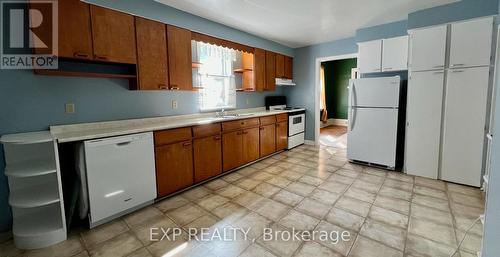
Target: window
213,75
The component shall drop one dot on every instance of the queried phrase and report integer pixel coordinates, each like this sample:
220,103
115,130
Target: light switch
69,108
174,104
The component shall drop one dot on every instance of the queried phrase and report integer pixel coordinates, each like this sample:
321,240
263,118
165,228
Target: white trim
336,122
317,90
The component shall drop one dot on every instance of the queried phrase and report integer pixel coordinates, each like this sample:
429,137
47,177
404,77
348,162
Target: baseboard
309,142
337,122
5,236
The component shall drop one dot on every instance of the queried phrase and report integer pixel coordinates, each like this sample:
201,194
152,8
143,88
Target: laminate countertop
95,130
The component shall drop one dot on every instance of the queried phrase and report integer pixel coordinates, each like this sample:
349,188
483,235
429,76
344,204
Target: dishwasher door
120,174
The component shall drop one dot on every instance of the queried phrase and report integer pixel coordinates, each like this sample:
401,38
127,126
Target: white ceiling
297,23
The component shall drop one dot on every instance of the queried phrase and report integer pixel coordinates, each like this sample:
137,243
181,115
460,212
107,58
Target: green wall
337,75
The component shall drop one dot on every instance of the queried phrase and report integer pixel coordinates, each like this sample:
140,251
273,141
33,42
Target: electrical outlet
69,108
174,104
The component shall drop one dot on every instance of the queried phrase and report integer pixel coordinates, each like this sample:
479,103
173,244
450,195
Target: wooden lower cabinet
250,145
232,149
174,167
281,135
207,157
267,140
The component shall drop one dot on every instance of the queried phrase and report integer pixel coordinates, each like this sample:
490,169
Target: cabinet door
113,35
179,58
428,48
267,140
270,71
370,56
464,125
232,150
151,57
259,69
250,145
280,66
75,37
281,135
174,167
423,132
395,54
470,43
288,67
207,157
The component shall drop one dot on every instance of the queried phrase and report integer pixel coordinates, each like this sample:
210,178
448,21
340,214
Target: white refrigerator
373,120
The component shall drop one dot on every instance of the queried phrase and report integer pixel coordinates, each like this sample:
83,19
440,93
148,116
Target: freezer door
372,135
374,92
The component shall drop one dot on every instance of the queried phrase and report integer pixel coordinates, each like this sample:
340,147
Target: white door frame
317,89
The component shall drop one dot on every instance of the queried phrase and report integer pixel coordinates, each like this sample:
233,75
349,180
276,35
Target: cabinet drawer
281,117
206,130
172,135
267,120
239,124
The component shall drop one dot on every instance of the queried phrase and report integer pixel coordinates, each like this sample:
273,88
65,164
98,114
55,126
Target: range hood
284,82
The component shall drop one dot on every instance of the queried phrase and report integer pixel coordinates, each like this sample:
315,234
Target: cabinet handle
174,87
98,57
162,86
242,123
186,144
80,55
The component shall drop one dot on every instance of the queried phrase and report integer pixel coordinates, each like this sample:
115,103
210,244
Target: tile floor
310,189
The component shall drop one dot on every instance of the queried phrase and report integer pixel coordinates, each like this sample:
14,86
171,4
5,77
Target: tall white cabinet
449,74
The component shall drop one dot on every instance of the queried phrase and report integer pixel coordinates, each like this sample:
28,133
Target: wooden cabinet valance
220,42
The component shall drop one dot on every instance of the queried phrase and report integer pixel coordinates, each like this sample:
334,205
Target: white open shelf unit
36,197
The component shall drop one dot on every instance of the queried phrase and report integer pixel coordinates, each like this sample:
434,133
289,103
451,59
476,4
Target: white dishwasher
119,176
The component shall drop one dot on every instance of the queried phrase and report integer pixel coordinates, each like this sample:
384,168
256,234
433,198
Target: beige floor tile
259,165
203,222
138,217
234,247
360,194
266,190
432,183
230,191
467,211
313,208
176,244
393,204
212,202
277,245
86,254
119,246
248,183
345,219
353,205
262,176
186,214
233,177
143,252
315,249
324,196
375,171
216,184
256,250
348,172
279,181
171,203
291,175
311,180
298,221
196,193
430,192
248,171
464,223
388,217
468,200
400,177
249,200
432,202
472,191
229,212
366,186
8,249
364,247
334,187
288,198
472,243
255,222
418,246
355,167
104,232
430,214
318,173
272,210
383,233
300,188
299,168
392,183
395,193
342,179
433,231
274,169
336,242
70,247
143,232
370,178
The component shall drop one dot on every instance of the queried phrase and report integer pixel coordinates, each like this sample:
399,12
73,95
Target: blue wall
30,102
393,29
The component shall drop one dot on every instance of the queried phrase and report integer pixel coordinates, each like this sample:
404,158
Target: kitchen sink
233,115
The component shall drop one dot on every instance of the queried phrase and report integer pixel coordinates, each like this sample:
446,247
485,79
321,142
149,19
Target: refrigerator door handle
352,120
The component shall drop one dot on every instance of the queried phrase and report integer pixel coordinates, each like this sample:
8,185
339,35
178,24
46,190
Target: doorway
332,112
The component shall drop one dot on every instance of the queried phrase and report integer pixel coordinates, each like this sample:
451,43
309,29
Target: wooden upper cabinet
75,37
174,167
270,71
179,58
267,140
152,64
280,66
288,67
281,135
259,69
207,157
113,35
